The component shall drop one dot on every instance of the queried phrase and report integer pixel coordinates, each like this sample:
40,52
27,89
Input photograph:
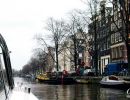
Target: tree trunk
57,63
75,52
95,48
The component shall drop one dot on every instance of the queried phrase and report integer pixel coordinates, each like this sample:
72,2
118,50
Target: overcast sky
20,20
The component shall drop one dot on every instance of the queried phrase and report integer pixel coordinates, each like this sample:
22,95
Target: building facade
74,52
99,30
118,34
111,33
65,56
50,64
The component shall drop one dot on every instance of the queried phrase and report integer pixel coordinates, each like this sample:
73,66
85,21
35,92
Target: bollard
29,89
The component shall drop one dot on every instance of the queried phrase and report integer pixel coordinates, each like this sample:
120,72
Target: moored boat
57,79
82,80
113,82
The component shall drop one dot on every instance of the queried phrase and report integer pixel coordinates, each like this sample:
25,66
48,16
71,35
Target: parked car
89,72
72,73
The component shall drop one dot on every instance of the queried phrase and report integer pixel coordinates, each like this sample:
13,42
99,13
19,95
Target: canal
71,92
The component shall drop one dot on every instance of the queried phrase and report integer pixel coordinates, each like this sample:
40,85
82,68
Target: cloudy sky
20,20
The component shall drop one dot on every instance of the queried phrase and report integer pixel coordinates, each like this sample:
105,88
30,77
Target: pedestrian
78,71
65,73
82,69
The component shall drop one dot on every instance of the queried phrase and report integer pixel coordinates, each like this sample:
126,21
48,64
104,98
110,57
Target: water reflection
74,92
112,94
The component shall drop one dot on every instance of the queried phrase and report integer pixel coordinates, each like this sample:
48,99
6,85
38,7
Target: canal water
71,92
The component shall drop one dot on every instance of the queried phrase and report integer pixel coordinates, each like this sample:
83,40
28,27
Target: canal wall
90,79
96,80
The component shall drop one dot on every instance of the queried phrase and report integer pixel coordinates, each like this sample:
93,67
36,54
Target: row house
110,34
69,53
50,63
118,47
64,56
74,48
82,39
101,34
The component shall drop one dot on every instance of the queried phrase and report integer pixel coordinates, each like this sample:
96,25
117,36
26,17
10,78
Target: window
112,53
117,52
107,44
112,27
115,16
129,7
112,38
107,20
101,48
121,51
119,23
120,37
119,14
116,37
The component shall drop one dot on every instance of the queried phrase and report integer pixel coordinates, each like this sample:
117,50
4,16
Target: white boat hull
111,83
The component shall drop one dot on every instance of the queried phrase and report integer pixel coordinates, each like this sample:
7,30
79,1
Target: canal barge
55,78
82,80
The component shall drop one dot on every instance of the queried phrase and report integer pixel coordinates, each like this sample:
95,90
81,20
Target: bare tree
26,68
43,45
90,17
58,32
37,63
75,24
41,57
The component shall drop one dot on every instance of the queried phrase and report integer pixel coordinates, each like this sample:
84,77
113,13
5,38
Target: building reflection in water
112,94
75,92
